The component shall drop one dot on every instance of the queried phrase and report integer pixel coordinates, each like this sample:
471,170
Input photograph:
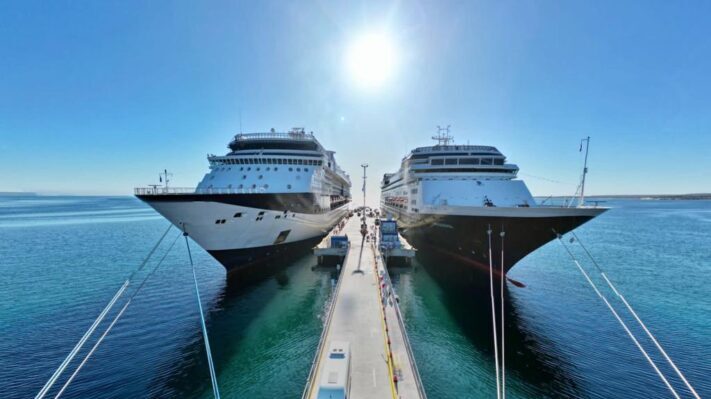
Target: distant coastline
17,194
668,197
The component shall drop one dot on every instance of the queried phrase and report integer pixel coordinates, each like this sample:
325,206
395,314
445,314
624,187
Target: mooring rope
116,318
639,320
493,316
213,376
57,373
619,319
503,336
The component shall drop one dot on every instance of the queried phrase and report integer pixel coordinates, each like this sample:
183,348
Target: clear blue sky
96,97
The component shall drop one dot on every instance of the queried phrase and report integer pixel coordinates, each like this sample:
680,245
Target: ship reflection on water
533,365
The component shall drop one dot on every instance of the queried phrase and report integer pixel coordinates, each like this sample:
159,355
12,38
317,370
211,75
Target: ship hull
462,234
243,230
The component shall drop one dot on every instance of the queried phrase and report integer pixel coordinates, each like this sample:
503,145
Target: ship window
277,217
275,168
266,186
248,169
486,161
261,176
306,169
238,215
241,186
258,169
438,162
469,161
498,161
450,161
254,186
244,177
268,168
298,169
291,169
261,213
288,186
291,161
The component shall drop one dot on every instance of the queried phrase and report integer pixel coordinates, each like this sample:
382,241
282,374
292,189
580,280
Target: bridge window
469,161
437,162
450,161
486,161
498,161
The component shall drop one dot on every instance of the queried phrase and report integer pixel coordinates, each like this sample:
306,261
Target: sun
370,59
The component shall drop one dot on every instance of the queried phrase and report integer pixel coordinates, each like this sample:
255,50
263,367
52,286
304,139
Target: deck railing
274,135
193,190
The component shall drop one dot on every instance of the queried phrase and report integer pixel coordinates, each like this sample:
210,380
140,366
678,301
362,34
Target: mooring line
639,320
493,316
619,319
57,373
503,336
213,376
116,318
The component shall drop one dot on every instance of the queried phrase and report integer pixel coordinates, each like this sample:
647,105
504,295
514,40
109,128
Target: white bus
336,372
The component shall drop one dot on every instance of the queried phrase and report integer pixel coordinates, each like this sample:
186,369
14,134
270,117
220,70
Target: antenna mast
165,177
581,200
443,137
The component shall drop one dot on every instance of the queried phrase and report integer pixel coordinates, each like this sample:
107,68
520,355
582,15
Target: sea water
63,258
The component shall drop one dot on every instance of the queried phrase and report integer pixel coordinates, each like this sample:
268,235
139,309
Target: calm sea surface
62,259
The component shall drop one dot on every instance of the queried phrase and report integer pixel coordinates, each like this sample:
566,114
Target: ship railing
293,135
197,191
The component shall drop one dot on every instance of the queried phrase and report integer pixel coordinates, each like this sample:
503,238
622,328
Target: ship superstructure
273,192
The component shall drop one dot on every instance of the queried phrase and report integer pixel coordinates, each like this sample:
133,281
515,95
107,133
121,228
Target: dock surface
382,365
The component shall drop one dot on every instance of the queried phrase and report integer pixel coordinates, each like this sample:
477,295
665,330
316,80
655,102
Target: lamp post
364,166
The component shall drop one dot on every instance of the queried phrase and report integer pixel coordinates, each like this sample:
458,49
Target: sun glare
370,60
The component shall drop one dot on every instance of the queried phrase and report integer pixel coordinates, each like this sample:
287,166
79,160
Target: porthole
275,169
266,186
257,169
254,186
244,177
306,169
242,168
298,169
291,169
241,186
288,186
268,168
249,168
261,177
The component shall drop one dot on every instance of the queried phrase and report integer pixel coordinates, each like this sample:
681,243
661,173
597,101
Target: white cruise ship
271,194
446,197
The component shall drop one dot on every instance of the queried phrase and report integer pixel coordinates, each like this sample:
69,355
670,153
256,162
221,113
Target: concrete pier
364,314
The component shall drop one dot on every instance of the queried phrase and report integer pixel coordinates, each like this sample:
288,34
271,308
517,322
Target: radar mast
443,137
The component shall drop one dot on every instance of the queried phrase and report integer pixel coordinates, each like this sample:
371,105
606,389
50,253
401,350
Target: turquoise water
62,258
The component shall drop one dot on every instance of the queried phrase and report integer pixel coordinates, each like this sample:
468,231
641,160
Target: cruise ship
271,194
447,197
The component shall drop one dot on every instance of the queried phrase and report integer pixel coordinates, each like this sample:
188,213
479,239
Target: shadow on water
230,316
528,354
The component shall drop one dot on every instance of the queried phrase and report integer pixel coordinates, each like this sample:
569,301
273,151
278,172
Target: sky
98,97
